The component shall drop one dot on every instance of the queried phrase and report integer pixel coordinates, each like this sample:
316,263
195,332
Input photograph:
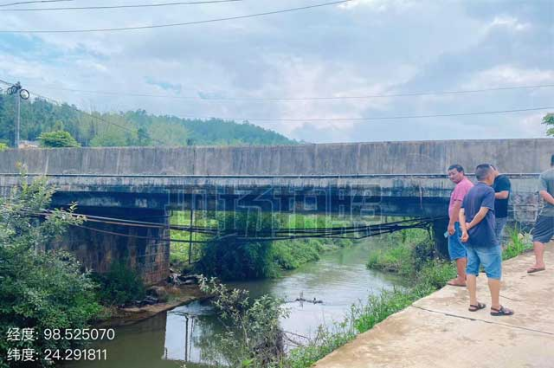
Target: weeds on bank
403,252
410,255
518,243
364,316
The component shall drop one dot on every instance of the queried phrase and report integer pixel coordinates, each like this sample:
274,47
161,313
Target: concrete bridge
351,179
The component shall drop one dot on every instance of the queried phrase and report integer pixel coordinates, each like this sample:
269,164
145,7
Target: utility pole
20,94
190,229
18,122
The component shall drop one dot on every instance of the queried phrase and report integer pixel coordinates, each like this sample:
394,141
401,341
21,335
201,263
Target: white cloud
511,23
531,125
366,47
379,5
509,76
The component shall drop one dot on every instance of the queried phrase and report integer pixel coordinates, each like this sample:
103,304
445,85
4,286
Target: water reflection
191,335
188,333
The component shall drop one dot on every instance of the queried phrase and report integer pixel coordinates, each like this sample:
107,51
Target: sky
277,71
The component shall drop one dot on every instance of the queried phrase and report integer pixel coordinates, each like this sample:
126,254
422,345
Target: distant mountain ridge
131,128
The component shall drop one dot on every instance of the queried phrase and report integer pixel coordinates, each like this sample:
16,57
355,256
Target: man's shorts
490,257
456,249
544,229
500,222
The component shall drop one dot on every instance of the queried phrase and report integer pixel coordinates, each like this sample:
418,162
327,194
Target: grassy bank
231,259
409,254
364,316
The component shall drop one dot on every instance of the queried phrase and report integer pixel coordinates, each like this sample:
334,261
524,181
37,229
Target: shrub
290,254
518,243
254,337
406,252
119,286
57,139
40,289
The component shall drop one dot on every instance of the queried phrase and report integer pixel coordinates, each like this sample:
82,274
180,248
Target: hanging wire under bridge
355,232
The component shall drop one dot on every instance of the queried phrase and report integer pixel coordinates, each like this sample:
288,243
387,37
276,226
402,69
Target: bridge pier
97,245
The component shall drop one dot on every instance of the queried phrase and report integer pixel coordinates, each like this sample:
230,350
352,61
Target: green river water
185,335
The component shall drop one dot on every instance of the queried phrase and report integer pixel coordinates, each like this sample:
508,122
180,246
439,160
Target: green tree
120,285
40,288
548,120
254,337
57,139
235,258
119,132
132,128
172,134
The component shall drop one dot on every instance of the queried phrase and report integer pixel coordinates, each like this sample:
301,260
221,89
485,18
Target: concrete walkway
439,331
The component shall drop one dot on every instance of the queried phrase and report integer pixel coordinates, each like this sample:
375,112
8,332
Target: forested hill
133,128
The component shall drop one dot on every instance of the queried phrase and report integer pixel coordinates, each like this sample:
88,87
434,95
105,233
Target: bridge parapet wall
422,157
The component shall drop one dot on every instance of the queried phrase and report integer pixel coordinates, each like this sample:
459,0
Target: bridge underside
151,199
98,245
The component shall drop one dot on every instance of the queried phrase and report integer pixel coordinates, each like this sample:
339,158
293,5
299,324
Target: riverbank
192,332
183,294
442,321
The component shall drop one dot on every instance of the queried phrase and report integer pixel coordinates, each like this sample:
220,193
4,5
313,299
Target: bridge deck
438,331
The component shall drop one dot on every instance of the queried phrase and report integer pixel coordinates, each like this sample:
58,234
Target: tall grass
366,315
405,254
518,243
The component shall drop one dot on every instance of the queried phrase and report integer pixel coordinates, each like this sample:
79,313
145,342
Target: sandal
475,308
501,312
535,269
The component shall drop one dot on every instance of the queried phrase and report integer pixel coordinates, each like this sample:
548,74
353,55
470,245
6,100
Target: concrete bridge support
439,227
98,245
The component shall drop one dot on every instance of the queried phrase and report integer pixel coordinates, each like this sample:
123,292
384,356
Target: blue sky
365,47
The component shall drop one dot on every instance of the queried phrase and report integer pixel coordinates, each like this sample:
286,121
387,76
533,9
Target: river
186,334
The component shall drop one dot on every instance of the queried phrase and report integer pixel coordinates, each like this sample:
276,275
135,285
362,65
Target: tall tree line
131,128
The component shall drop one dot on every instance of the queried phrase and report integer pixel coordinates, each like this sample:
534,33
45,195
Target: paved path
439,331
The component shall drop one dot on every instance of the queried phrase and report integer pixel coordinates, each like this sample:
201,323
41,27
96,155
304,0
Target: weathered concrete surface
349,179
418,157
397,194
439,331
96,245
399,176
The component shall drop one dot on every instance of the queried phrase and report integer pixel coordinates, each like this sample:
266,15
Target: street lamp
21,94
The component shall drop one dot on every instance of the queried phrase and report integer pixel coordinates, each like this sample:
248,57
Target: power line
400,117
179,24
349,119
209,99
97,118
35,2
291,234
108,7
139,236
281,233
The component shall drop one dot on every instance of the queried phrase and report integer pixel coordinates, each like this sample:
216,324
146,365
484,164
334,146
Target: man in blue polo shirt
478,232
